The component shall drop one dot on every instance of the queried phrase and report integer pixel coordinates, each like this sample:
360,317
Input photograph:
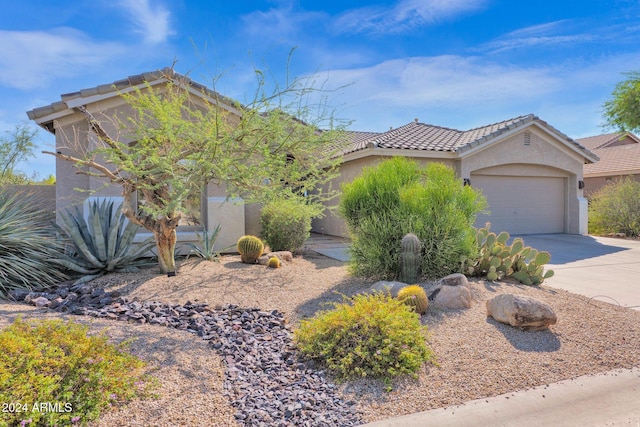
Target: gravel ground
476,356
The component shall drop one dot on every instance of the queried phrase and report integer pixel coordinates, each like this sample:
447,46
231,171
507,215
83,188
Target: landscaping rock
456,279
521,312
265,378
451,297
388,286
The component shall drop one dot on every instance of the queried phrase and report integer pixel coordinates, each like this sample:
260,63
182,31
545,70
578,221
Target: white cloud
153,22
32,59
466,92
281,24
405,15
450,80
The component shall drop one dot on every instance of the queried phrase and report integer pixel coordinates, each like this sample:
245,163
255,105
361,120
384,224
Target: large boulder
451,292
452,297
455,279
521,312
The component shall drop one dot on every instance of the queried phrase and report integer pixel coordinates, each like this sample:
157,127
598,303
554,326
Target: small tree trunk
166,244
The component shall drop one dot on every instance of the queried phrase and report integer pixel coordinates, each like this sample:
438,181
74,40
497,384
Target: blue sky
453,63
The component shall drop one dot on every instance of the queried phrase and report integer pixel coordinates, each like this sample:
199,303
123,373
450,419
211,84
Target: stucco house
530,172
619,155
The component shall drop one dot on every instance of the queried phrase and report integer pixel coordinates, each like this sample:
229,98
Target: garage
523,204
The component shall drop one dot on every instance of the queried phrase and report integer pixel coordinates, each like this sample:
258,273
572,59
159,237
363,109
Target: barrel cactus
415,297
274,262
410,258
250,248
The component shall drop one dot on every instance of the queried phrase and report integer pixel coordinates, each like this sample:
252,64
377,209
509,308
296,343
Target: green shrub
373,335
27,245
615,208
58,363
286,223
398,197
102,243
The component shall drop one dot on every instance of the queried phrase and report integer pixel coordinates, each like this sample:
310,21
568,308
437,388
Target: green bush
286,223
373,335
615,208
27,245
399,196
57,363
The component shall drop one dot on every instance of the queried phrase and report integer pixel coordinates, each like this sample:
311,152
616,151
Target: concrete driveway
601,268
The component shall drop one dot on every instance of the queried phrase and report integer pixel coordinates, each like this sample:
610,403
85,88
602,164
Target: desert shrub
373,335
615,208
57,362
286,223
27,245
398,197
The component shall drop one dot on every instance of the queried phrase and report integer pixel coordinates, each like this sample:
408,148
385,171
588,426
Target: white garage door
523,205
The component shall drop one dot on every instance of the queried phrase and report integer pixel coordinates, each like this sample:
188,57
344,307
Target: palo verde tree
16,146
622,111
181,136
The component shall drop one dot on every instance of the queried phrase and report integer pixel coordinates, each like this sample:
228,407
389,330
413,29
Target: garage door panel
523,205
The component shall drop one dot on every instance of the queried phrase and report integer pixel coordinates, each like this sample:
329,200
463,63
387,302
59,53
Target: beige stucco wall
332,224
72,137
545,156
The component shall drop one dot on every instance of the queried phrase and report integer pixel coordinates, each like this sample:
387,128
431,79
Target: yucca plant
206,250
27,245
103,243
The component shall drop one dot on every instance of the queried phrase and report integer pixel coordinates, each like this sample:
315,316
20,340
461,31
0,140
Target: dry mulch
476,357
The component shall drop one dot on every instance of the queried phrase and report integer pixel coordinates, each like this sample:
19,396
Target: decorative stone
40,302
283,256
388,286
456,279
521,312
265,379
452,297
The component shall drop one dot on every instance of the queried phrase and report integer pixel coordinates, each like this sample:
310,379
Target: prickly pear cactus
250,248
497,259
415,297
410,258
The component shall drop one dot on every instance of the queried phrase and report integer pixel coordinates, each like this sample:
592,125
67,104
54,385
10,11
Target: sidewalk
609,399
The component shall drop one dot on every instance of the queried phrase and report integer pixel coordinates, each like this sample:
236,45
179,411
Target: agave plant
27,245
103,243
206,250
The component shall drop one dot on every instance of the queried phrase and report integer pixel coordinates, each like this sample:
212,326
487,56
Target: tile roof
119,85
619,154
420,136
599,141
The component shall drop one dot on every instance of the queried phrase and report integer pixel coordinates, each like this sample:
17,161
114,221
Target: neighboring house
619,157
530,172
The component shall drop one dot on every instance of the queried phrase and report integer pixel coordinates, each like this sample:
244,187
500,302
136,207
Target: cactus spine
410,258
250,248
415,297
